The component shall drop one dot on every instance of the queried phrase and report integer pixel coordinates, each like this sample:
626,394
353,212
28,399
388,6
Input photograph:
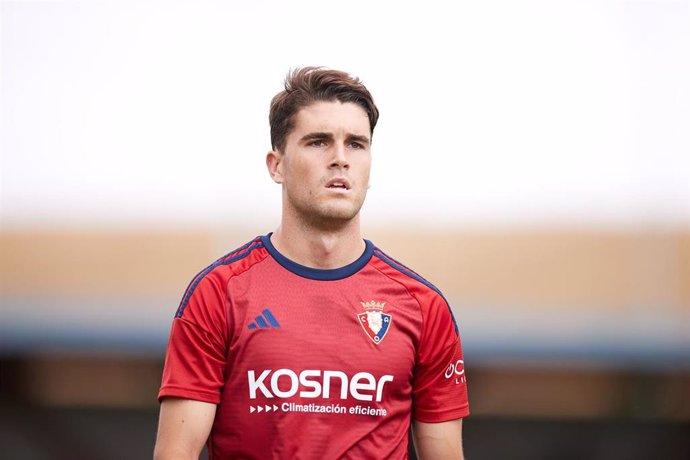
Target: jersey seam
176,391
418,278
226,300
229,258
201,328
234,251
419,304
443,414
445,348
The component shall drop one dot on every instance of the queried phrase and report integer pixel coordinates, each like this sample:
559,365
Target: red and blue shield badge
374,321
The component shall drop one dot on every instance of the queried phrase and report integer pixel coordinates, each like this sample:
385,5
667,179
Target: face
324,168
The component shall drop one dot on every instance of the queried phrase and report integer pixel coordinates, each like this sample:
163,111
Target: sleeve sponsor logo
456,370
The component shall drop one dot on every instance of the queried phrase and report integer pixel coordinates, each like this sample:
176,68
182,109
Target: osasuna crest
374,321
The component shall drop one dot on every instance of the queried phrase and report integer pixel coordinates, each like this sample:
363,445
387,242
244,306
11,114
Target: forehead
332,117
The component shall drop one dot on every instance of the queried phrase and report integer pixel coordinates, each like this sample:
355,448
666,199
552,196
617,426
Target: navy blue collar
318,273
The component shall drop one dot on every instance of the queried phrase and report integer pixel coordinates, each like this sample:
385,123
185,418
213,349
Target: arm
183,428
442,441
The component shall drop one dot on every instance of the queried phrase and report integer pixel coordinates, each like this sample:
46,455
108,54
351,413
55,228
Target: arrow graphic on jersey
374,321
266,408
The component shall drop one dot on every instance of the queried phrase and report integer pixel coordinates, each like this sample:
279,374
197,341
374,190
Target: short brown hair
306,85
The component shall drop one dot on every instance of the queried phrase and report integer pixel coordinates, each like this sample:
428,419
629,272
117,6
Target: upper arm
183,428
441,441
439,381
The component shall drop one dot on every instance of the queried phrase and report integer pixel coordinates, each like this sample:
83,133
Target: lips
338,183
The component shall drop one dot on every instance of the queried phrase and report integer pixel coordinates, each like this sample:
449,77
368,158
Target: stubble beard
329,216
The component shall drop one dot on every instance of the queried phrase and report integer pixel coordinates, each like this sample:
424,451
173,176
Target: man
310,342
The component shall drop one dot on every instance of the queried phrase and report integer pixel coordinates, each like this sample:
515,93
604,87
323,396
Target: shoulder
430,298
220,271
403,274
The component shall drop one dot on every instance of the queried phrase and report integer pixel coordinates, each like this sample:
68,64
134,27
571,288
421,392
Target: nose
339,159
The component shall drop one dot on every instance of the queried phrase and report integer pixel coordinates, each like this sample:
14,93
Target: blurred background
532,160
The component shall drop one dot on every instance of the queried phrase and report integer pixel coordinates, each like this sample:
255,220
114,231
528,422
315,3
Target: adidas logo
260,409
265,320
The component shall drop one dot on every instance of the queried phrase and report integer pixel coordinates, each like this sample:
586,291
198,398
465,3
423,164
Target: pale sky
528,112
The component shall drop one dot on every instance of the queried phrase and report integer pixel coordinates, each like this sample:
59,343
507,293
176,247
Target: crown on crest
373,305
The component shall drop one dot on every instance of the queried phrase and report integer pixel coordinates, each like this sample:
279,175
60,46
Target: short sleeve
439,383
197,349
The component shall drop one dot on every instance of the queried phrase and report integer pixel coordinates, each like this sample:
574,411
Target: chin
331,216
339,214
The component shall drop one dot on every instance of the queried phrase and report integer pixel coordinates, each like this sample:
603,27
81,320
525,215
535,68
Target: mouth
338,184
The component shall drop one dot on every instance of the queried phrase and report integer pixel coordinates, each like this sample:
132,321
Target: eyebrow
329,136
313,136
358,138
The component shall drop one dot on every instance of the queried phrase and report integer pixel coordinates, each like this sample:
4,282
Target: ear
274,163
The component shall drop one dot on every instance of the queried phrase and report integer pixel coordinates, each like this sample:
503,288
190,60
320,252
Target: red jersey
308,363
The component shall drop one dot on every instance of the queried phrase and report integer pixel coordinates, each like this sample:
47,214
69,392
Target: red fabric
213,356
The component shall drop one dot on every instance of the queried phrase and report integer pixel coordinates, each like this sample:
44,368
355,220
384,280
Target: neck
324,248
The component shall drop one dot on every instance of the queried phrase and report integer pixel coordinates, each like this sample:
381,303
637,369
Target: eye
316,143
356,145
